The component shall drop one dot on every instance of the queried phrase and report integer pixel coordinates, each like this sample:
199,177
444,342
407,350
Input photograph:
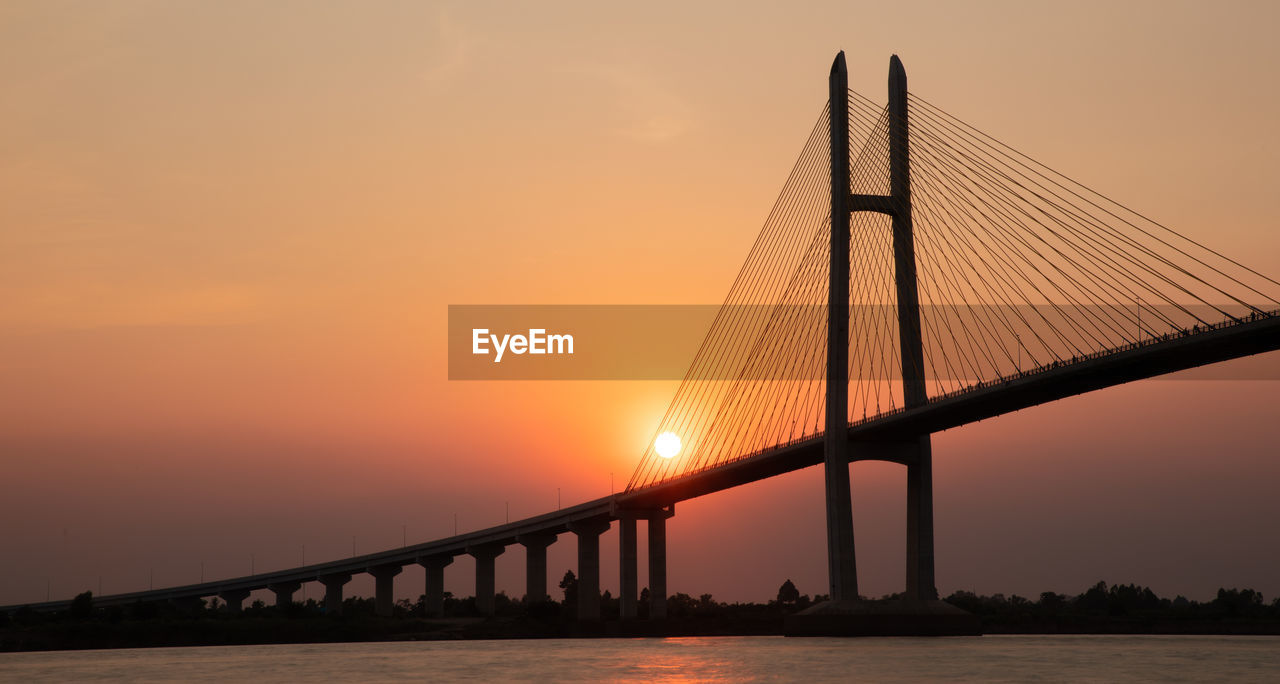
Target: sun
667,444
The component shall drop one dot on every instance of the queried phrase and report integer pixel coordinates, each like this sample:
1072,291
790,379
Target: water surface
694,659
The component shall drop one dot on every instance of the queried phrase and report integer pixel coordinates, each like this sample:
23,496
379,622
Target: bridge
915,275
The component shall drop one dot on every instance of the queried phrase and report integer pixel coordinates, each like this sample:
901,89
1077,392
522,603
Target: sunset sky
230,232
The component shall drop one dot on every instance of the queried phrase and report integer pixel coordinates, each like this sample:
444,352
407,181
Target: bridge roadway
876,438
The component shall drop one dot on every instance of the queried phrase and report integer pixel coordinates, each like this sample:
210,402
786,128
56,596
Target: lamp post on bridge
1138,337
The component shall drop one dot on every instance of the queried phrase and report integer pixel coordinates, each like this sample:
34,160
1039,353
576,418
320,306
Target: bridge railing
1138,344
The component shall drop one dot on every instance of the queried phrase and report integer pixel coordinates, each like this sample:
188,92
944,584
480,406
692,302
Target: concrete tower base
883,618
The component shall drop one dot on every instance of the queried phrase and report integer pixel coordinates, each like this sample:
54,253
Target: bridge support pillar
920,579
384,596
535,565
588,533
658,562
433,596
284,593
234,599
485,556
333,592
628,582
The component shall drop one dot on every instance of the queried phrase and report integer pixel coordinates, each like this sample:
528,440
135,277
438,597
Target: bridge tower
841,568
921,612
920,580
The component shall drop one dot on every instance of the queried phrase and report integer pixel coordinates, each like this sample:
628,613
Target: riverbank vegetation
1101,609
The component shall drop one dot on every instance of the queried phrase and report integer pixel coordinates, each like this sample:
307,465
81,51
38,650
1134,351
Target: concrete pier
588,533
284,592
234,599
535,573
384,588
920,579
628,583
485,555
434,590
658,563
333,592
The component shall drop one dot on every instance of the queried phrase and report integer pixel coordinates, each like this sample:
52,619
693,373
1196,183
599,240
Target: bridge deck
555,522
1146,359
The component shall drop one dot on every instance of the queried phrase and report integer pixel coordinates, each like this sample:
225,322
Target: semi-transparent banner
768,342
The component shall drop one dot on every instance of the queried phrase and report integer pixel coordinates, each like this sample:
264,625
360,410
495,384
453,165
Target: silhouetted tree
788,595
404,607
1095,599
1051,602
680,605
505,605
610,605
1235,602
82,605
570,586
707,605
463,607
966,601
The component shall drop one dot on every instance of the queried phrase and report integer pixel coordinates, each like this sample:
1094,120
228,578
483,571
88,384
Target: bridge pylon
919,612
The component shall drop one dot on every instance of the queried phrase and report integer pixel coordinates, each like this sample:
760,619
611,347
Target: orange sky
229,233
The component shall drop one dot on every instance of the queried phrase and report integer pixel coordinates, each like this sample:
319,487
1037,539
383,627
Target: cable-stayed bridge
915,274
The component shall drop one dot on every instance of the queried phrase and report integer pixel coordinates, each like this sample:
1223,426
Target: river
709,659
